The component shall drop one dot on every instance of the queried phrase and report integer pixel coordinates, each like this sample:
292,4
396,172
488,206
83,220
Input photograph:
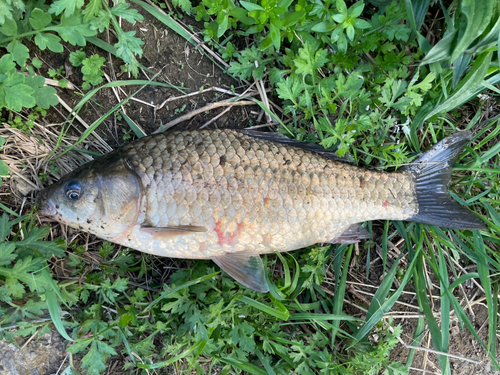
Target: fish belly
254,195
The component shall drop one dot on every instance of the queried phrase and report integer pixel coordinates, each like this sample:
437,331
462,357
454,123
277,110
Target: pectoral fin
170,232
245,268
353,234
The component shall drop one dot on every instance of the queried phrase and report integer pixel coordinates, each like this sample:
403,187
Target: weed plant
357,77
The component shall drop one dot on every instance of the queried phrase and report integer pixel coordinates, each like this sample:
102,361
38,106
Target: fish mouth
47,208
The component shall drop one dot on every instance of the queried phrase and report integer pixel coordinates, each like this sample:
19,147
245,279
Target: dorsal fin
280,138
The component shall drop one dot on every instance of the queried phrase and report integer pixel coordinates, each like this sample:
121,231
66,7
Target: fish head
103,197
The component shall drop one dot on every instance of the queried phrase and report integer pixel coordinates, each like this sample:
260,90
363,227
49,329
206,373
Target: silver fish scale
255,195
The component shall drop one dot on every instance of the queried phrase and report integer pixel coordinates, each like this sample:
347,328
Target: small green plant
91,68
18,91
49,25
19,123
22,275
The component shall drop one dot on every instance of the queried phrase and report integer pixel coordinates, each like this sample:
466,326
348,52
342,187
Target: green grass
361,80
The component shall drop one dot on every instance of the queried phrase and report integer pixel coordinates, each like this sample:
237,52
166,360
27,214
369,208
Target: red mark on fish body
266,202
203,246
228,239
266,239
385,204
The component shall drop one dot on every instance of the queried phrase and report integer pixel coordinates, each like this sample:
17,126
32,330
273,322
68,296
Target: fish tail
431,173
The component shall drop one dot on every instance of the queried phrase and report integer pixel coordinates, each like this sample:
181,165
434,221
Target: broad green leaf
7,63
362,24
356,9
19,97
478,14
6,252
26,271
310,59
467,89
5,12
50,41
420,8
292,18
128,46
91,10
223,23
95,358
19,51
274,33
350,32
323,27
72,30
341,7
39,19
460,66
251,6
441,51
66,6
122,10
9,28
76,58
339,18
46,97
185,5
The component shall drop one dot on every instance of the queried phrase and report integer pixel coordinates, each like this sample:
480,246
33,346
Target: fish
232,195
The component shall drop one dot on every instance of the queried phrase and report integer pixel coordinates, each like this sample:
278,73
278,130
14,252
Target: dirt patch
176,62
406,313
32,355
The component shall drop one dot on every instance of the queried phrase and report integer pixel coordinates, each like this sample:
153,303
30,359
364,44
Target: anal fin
245,268
353,234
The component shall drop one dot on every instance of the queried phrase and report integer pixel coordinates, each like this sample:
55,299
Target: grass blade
486,284
384,289
245,366
265,362
378,314
283,314
338,299
418,335
139,133
312,316
464,92
419,277
478,14
55,313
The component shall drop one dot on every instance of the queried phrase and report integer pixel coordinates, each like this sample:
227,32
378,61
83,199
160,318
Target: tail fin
432,172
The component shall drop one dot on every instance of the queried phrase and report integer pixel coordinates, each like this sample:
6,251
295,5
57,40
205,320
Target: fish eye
73,190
